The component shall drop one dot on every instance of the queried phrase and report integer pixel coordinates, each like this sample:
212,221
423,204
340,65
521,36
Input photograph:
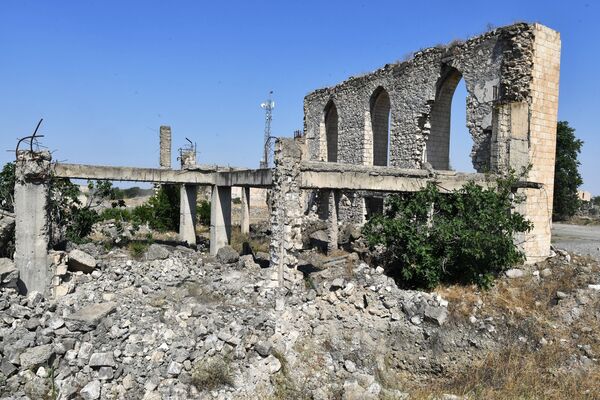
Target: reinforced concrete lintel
197,176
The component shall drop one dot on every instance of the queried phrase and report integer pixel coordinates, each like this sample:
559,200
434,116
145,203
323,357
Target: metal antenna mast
268,106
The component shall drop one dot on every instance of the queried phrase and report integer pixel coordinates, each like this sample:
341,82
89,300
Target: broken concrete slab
8,271
437,315
102,360
90,316
156,252
227,255
36,356
81,261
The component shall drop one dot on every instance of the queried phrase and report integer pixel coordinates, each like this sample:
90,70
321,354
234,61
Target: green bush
161,212
465,236
164,207
7,187
203,212
69,219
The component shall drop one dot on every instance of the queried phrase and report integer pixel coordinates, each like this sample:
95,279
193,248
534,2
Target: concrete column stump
32,175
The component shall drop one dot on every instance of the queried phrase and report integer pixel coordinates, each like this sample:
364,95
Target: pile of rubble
180,324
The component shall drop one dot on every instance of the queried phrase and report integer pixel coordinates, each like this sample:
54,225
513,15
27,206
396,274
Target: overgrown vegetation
7,187
466,236
243,242
138,248
203,212
522,367
566,174
70,219
161,212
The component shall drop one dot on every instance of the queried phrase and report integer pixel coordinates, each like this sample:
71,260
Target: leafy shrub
203,212
69,219
164,208
465,236
7,186
161,212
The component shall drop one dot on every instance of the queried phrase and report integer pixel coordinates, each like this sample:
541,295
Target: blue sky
105,75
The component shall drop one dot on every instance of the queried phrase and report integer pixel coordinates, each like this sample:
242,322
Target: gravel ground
580,239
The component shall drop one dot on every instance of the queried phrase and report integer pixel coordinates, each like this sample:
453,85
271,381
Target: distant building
584,196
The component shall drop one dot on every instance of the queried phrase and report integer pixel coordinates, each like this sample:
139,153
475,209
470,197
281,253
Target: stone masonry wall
543,113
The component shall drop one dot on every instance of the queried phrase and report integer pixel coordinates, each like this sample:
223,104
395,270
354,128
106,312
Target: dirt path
580,239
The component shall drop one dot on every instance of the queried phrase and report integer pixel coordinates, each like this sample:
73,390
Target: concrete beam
199,175
220,218
187,214
132,174
320,175
258,178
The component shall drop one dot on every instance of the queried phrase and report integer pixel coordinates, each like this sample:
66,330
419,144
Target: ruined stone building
399,116
388,131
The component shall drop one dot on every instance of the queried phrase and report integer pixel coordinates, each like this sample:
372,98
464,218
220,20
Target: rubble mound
188,326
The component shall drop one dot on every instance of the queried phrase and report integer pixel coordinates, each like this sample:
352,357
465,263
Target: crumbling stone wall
496,66
511,76
287,204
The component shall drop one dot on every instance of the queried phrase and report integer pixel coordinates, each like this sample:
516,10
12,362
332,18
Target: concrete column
245,220
165,147
332,221
187,214
220,218
31,221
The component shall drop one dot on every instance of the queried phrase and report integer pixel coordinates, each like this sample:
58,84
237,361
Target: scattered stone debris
81,261
174,327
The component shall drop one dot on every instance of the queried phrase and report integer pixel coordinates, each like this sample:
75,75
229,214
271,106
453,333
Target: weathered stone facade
511,75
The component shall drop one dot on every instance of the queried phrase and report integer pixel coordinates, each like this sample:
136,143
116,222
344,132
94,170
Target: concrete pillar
245,219
165,147
187,214
332,221
31,221
220,218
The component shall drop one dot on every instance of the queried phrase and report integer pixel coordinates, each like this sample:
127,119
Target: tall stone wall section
543,113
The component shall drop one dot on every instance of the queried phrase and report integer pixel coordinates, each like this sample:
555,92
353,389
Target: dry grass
212,374
238,240
530,310
517,373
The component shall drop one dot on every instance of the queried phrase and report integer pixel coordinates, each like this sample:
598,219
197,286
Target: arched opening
448,115
331,131
380,124
460,137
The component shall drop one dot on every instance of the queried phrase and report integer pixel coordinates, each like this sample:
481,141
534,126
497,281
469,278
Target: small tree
429,237
566,174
